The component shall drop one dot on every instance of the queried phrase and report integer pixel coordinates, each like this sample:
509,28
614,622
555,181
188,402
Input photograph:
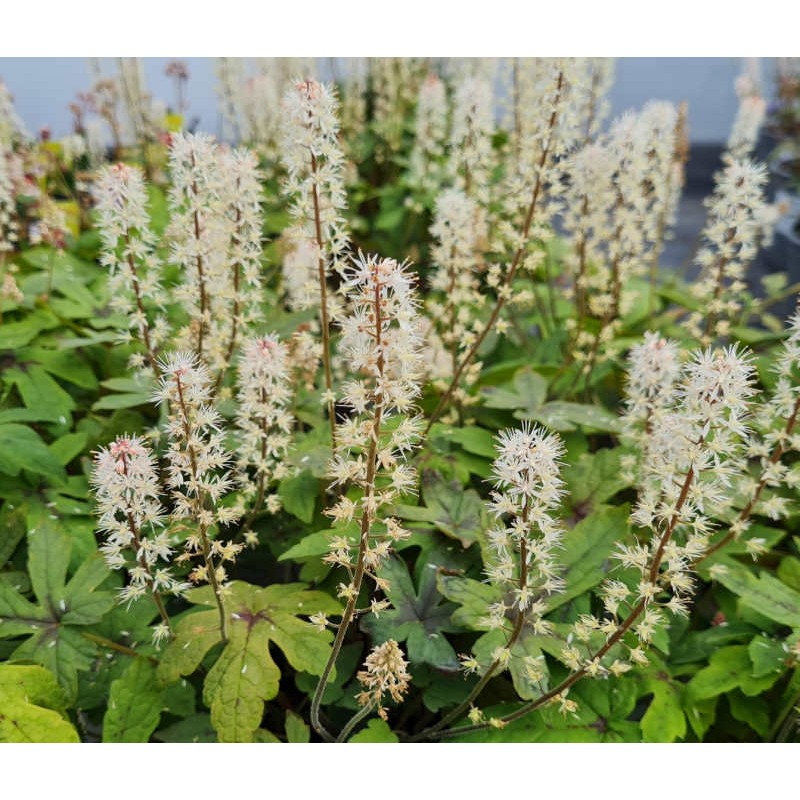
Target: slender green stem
354,720
367,519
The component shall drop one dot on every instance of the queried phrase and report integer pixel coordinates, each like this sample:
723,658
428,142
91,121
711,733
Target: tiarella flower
264,419
197,460
691,459
471,158
430,135
459,231
131,517
8,205
381,341
315,184
384,673
200,231
731,235
129,251
300,269
528,490
653,370
744,133
314,162
395,86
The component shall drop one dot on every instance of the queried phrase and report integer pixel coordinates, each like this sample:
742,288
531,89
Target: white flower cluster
8,205
622,197
426,163
528,490
197,462
459,231
746,125
384,672
381,342
692,459
314,162
264,420
731,234
774,435
131,518
129,252
653,370
200,232
471,156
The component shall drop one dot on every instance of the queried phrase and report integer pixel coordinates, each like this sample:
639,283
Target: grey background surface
44,87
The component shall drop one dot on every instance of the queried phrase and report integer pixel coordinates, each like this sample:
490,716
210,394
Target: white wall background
44,87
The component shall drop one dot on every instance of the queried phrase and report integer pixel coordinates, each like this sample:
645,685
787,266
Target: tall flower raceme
131,517
688,480
381,341
197,473
199,232
731,233
138,102
11,126
8,211
314,162
427,160
526,206
236,311
523,564
598,85
653,371
459,232
264,419
471,156
395,85
129,251
774,435
746,125
525,543
619,207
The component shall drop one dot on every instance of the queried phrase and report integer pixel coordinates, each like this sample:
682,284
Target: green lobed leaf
664,720
763,593
134,704
244,675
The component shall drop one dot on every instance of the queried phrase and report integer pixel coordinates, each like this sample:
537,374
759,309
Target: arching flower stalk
197,461
731,234
264,420
694,458
129,251
536,174
524,546
315,184
381,341
131,517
